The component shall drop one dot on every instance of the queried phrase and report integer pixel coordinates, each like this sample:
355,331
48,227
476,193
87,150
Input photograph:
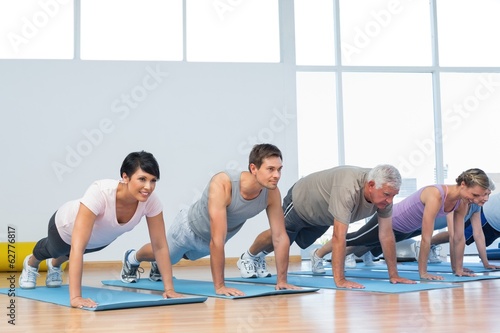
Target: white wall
197,119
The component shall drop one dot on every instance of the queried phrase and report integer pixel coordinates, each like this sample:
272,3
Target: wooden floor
469,307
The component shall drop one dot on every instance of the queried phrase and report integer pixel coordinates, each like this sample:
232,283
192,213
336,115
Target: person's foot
130,273
247,268
27,280
154,273
416,248
316,263
434,257
261,267
54,275
350,261
368,259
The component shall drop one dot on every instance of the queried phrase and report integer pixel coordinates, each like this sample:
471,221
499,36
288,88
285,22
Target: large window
32,29
410,83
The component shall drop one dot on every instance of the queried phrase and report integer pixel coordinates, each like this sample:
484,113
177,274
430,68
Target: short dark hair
262,151
141,159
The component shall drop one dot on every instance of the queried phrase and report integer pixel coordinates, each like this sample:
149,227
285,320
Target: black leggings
53,245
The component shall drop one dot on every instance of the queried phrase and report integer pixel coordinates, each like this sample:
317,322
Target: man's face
381,197
269,173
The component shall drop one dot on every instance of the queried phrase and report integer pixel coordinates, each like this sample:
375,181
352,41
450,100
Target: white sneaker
27,280
350,261
434,257
247,268
368,259
416,248
317,263
261,267
54,275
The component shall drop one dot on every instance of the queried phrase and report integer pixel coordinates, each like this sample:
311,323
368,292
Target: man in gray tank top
228,201
338,196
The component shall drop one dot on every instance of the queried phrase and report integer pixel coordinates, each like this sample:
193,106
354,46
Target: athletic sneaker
368,259
416,248
261,267
350,261
27,280
154,273
130,273
54,275
247,268
434,257
317,263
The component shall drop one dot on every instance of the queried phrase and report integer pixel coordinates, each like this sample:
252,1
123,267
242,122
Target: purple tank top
407,214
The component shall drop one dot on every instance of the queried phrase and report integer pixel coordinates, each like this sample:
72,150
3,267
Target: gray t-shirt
335,193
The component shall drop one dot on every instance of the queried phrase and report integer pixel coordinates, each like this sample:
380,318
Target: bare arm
457,242
338,256
156,228
281,242
478,234
219,197
388,242
431,198
82,230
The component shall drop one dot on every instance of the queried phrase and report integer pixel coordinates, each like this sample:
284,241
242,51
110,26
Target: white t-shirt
100,198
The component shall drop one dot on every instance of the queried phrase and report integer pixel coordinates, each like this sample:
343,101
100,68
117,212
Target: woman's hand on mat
284,285
80,303
490,266
427,276
172,294
399,279
464,273
348,284
229,291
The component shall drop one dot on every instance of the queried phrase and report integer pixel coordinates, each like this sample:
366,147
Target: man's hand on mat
172,294
284,285
399,279
464,273
428,276
490,266
467,270
80,303
348,284
229,291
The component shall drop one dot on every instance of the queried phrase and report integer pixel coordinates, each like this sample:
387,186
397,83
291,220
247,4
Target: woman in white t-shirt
108,209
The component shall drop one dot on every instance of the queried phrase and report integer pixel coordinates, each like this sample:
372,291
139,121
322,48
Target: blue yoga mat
444,267
382,286
107,299
206,288
412,275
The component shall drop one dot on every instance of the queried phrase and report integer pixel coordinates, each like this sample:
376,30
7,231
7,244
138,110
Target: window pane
131,30
233,31
470,123
385,32
33,29
468,32
317,122
314,35
389,119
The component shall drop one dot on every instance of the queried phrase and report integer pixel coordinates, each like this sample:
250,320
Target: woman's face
475,194
141,184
